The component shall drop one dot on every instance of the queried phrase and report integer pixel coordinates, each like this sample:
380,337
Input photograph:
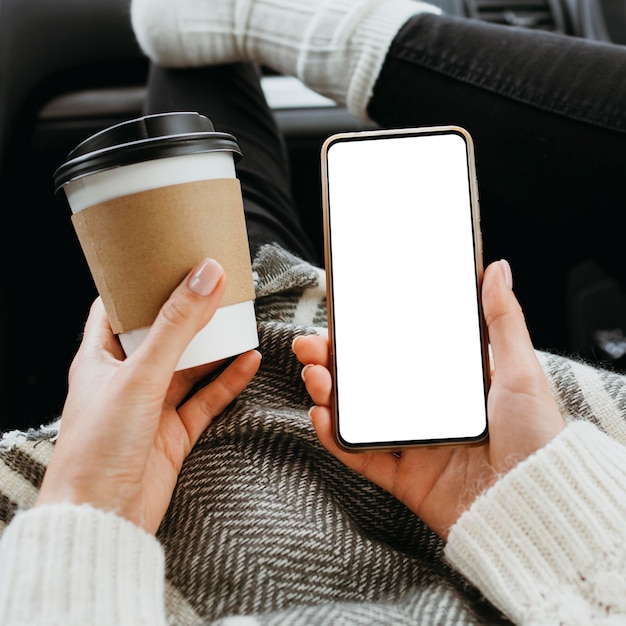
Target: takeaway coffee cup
150,198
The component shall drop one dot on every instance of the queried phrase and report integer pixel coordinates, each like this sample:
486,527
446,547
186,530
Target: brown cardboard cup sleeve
140,246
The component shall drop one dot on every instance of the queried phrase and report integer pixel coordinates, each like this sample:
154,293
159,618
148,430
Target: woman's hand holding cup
127,424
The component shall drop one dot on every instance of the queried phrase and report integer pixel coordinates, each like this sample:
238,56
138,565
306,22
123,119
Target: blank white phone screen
408,363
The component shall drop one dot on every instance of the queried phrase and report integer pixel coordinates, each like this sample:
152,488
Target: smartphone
403,257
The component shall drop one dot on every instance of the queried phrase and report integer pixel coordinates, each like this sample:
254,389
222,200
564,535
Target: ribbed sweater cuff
375,34
69,565
547,543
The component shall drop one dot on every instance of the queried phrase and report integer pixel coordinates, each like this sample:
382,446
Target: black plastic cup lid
144,139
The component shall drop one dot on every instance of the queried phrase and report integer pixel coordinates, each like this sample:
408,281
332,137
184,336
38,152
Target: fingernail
304,371
293,343
204,280
508,274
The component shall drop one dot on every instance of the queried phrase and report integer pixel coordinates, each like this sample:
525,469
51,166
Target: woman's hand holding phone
438,483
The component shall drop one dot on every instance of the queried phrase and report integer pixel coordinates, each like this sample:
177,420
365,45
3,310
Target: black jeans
547,116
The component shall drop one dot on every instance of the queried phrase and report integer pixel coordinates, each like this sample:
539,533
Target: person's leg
547,116
546,110
231,97
334,46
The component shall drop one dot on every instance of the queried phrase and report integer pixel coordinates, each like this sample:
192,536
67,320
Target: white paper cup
150,198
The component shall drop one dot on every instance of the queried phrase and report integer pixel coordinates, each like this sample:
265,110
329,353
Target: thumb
508,335
523,414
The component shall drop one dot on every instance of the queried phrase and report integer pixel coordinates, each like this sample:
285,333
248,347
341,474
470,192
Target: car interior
70,68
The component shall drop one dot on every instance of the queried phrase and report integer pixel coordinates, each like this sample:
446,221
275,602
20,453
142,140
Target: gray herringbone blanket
265,522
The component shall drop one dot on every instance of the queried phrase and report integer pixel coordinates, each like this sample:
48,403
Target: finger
508,335
205,405
378,466
184,381
186,312
311,349
318,382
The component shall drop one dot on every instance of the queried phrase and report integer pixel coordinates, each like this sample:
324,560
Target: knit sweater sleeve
547,543
76,565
